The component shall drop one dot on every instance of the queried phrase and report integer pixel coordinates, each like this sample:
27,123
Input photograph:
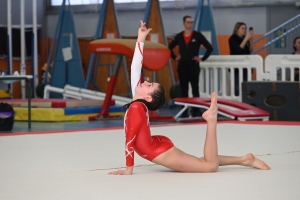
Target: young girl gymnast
160,149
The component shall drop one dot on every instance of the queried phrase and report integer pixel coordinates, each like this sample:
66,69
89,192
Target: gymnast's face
144,90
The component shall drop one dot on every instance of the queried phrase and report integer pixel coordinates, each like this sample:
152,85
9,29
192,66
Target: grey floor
71,160
75,164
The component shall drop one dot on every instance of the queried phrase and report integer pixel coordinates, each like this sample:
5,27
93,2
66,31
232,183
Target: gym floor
72,161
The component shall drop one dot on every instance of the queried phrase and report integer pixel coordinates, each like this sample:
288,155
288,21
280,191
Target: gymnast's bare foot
211,114
252,161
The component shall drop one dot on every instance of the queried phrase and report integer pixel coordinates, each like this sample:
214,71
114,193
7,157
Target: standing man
189,42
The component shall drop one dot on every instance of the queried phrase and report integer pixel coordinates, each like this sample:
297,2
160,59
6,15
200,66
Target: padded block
57,114
90,110
281,99
55,103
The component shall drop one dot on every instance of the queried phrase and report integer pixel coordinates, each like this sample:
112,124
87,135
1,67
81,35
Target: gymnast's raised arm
137,60
132,126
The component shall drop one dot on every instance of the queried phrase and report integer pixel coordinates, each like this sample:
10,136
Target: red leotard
136,122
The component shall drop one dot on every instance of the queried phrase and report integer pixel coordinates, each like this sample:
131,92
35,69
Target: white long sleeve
136,66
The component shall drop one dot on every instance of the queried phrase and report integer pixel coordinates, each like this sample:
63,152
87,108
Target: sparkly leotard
136,121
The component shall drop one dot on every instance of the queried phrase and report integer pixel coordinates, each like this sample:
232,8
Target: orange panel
224,44
262,53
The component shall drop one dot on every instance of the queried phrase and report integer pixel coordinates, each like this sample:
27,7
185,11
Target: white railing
283,67
217,74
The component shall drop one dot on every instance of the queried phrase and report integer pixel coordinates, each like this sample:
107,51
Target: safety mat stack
57,110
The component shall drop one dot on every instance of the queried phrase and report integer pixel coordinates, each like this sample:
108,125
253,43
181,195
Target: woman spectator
240,43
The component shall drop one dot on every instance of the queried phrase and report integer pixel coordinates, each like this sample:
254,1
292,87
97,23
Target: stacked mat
58,110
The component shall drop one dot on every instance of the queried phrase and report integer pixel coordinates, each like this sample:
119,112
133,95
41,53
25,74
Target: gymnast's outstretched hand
143,32
127,171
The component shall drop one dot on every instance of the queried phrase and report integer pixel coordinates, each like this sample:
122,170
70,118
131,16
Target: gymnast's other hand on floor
127,171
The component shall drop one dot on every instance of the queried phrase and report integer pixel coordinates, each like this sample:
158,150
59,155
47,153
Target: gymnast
160,149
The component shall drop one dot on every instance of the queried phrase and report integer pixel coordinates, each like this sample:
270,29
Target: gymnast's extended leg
179,161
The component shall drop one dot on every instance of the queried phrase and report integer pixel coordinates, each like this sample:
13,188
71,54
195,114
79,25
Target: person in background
240,43
189,43
296,47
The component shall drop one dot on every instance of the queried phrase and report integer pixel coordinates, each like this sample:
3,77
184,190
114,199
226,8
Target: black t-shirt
234,45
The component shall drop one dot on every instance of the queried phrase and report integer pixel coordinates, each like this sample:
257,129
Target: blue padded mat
92,109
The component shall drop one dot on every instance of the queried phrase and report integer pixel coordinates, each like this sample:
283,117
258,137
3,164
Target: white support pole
22,33
35,52
49,89
9,42
81,93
